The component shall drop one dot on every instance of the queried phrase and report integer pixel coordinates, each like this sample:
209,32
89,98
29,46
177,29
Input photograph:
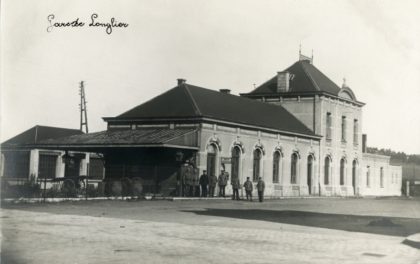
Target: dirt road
285,231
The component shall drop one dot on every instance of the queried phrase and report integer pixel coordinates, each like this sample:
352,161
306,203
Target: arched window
342,171
236,154
368,177
309,172
294,166
353,175
257,164
327,168
276,166
211,159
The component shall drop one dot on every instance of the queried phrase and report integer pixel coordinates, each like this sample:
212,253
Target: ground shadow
392,226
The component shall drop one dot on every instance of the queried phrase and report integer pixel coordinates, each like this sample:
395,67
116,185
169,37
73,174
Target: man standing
235,187
248,189
185,178
189,175
222,183
196,186
212,184
260,188
204,181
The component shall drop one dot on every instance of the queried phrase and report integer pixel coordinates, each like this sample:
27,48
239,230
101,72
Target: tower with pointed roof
329,111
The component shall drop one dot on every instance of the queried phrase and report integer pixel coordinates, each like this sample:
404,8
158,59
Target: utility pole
83,111
84,123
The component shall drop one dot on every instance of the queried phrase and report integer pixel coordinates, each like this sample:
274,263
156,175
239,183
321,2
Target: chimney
181,81
283,79
364,139
225,91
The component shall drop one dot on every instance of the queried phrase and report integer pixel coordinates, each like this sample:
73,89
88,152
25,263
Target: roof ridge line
194,103
311,78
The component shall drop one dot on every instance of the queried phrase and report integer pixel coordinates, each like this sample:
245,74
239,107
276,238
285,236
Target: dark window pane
47,166
293,173
16,164
327,171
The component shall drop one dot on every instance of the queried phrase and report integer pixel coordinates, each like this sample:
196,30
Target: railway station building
299,131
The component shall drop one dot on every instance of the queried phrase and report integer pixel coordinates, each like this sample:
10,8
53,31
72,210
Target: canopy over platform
184,138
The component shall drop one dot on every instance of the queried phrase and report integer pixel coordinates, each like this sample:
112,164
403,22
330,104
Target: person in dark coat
248,189
185,178
189,175
212,185
235,187
260,189
222,183
195,182
204,181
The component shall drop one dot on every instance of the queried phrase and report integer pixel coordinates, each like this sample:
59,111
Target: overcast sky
230,44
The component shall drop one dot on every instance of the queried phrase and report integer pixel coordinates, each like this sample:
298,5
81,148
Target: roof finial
344,83
312,60
255,86
305,58
300,50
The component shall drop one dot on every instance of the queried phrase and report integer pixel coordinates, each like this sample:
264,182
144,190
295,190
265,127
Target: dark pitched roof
187,100
39,133
132,138
307,78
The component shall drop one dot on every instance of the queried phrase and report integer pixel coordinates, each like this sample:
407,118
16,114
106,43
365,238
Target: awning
185,138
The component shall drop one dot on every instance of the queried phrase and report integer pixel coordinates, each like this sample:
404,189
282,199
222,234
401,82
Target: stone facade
336,145
347,170
224,139
333,113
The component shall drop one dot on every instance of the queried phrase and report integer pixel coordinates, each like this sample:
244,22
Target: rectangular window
16,164
96,169
356,132
328,126
343,129
47,166
381,179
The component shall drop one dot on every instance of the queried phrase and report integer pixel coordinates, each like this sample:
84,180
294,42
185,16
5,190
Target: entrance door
353,176
211,160
309,178
236,153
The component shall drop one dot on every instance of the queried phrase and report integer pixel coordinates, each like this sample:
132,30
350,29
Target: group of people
189,181
211,181
191,184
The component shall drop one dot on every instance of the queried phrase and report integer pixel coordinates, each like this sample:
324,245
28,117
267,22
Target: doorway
236,154
211,160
